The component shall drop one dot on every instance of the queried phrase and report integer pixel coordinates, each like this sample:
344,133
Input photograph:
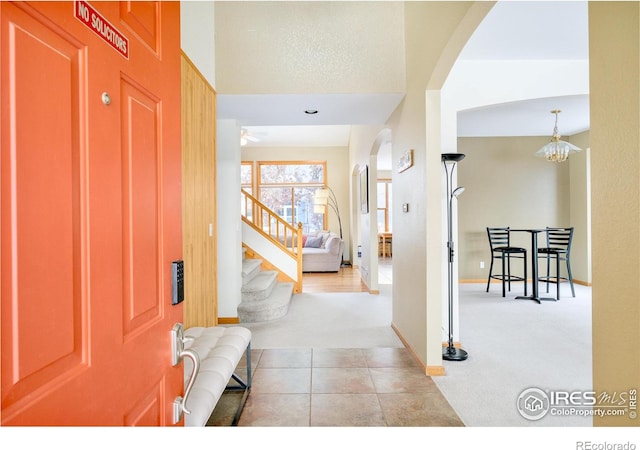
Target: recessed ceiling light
311,111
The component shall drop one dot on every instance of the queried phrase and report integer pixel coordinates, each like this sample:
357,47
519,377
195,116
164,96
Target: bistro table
534,264
385,238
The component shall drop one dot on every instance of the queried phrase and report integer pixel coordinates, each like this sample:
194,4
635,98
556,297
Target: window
246,183
246,176
384,205
288,188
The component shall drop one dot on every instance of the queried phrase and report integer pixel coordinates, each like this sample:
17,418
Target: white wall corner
197,36
228,213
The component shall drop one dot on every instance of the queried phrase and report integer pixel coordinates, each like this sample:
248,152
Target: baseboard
435,371
228,320
455,344
374,291
406,344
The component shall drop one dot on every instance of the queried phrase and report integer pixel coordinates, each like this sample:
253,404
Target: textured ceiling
513,30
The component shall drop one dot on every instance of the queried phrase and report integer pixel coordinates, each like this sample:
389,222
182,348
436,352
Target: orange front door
91,216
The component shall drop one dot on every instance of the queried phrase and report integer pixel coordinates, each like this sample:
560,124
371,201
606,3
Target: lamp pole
451,353
333,202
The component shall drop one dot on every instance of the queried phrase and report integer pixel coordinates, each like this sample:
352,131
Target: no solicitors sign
88,15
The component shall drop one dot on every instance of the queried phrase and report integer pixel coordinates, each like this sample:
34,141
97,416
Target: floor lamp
449,160
326,197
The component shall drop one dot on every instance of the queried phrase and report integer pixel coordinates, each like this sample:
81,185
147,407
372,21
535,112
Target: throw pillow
325,237
304,240
314,242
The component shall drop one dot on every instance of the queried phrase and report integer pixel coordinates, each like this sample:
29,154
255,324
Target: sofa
322,252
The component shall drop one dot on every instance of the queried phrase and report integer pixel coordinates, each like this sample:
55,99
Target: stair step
273,307
260,286
250,268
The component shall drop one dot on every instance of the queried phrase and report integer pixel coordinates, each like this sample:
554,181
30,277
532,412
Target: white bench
219,351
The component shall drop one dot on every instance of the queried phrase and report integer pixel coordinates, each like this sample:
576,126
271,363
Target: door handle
178,353
180,403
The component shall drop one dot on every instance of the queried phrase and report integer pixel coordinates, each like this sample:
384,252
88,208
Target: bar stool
500,244
558,247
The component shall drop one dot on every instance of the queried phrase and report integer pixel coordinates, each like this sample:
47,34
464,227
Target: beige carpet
337,320
514,345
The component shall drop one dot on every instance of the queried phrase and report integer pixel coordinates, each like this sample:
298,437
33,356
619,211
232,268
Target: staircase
263,296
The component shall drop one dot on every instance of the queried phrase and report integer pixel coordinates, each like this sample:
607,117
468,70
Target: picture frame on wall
406,161
364,190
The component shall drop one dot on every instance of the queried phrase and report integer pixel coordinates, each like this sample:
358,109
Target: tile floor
337,388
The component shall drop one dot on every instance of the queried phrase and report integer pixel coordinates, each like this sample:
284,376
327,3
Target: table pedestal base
536,298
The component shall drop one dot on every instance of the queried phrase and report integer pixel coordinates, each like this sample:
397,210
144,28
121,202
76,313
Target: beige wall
614,36
505,185
338,174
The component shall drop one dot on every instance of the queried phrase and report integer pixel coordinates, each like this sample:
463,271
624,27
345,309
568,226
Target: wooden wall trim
198,197
196,71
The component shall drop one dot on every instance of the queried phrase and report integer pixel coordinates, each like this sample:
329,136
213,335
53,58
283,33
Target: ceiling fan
245,137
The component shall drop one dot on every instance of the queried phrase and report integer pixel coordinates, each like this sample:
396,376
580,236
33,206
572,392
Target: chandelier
557,150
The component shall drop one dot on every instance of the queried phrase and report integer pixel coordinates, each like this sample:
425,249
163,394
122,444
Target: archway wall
435,32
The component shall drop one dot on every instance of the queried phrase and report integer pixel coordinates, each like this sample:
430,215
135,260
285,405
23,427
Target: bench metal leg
244,386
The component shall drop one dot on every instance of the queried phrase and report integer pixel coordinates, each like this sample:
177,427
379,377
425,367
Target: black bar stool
559,248
500,243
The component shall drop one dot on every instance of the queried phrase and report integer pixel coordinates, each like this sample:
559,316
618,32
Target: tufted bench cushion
219,350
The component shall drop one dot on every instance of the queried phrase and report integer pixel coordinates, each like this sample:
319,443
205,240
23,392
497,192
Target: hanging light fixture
557,150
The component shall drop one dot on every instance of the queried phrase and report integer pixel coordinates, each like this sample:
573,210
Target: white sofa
326,257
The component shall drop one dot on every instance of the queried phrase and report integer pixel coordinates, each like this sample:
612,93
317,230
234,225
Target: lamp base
454,354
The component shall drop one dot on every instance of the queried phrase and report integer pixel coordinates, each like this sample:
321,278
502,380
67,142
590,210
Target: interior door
91,211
